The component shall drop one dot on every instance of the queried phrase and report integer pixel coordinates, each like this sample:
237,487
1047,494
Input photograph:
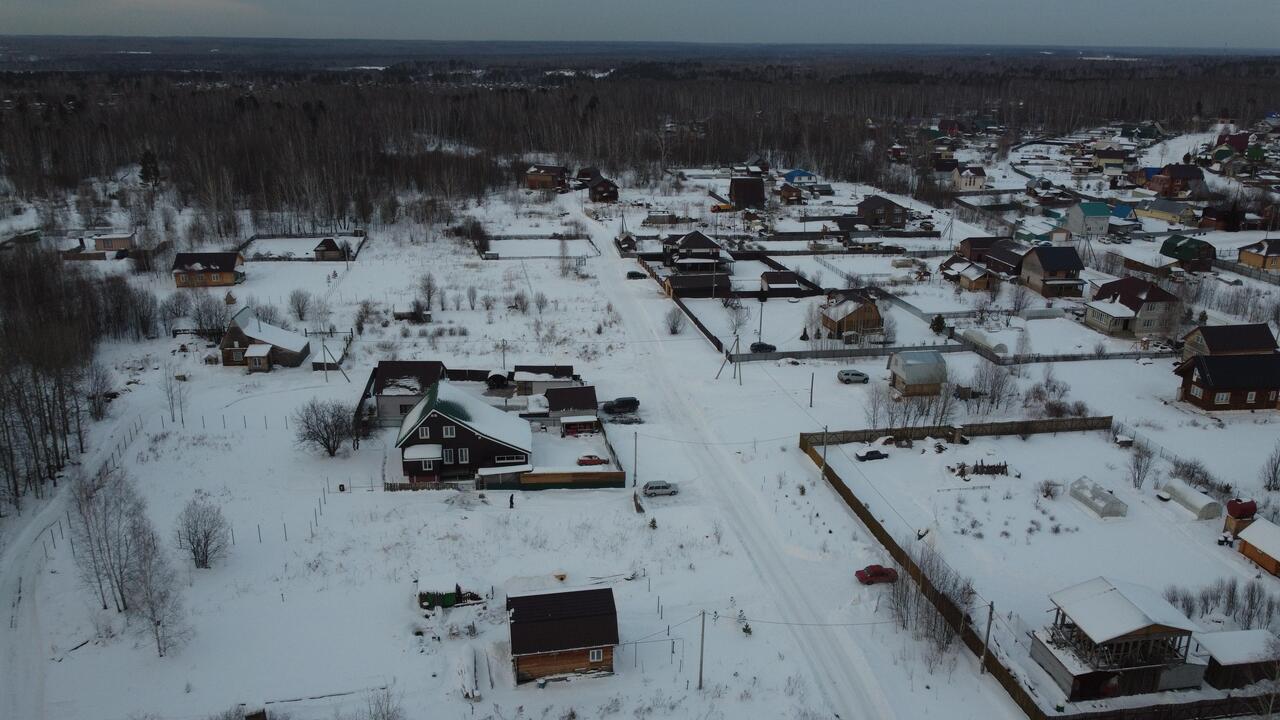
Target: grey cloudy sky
1162,23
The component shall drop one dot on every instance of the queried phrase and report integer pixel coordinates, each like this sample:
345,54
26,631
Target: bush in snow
323,425
203,531
675,321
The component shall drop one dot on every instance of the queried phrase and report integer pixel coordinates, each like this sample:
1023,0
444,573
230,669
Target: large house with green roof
1191,253
454,435
1089,219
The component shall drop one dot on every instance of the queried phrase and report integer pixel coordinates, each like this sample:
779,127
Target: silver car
659,487
852,376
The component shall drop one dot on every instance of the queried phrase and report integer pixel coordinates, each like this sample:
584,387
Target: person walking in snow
511,501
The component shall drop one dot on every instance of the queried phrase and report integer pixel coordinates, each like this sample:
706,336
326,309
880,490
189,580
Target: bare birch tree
203,531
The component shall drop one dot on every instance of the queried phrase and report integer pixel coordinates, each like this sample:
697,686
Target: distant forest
339,146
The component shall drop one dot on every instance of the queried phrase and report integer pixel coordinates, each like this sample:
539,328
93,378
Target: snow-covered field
312,622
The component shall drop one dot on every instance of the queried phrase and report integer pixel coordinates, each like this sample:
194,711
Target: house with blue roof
800,177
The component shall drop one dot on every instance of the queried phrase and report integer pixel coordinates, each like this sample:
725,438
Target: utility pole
986,639
702,643
760,332
811,389
824,451
635,456
324,359
504,353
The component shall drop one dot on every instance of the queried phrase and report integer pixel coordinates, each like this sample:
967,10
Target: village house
747,192
396,386
454,435
881,212
975,249
971,177
559,633
114,241
1176,180
1113,160
944,167
573,401
1167,211
1089,219
1264,254
259,346
851,311
602,189
695,253
328,249
207,269
791,194
1224,218
1053,272
970,276
800,177
1260,542
1192,254
1005,257
1132,306
919,372
546,177
1111,638
1230,382
1250,339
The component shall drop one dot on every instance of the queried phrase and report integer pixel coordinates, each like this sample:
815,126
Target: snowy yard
543,248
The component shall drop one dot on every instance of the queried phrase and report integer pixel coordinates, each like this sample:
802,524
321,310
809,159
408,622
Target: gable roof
1108,609
1133,293
267,333
1183,172
1181,247
406,377
982,242
1239,647
875,202
574,619
798,174
206,261
1269,247
1264,535
919,367
571,398
1058,258
974,170
1234,372
470,411
696,240
1235,338
547,170
1094,209
327,244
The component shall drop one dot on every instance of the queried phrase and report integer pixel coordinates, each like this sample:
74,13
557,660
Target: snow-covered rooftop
268,333
1112,308
1107,609
423,452
471,411
1264,535
1239,647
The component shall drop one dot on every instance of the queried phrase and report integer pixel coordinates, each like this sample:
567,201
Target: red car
592,460
875,574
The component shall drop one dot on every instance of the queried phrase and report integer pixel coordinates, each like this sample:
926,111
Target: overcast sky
1163,23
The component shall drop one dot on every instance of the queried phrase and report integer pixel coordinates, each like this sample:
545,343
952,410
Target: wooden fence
710,336
991,429
308,256
971,636
1245,270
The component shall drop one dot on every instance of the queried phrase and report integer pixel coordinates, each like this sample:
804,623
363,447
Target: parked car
592,460
876,574
659,487
853,376
621,405
762,347
870,454
635,275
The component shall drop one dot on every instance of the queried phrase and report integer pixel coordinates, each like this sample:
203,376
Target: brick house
1132,306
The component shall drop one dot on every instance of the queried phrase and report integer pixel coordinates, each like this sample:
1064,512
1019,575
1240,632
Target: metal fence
1249,272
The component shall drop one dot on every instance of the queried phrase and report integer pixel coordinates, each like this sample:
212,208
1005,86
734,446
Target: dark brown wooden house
1239,658
881,212
747,192
453,435
207,269
975,249
1053,271
329,249
562,633
1230,382
853,310
602,189
546,177
571,401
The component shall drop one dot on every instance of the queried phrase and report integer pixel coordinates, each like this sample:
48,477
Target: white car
659,487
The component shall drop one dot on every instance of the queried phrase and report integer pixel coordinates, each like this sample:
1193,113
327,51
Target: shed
1098,499
554,633
1200,505
1260,542
920,372
1238,658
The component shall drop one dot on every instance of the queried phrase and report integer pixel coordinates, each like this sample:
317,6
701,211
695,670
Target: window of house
1271,395
428,465
181,278
464,456
508,458
1148,323
1251,397
215,277
1197,391
424,433
1222,398
448,456
597,655
450,431
237,356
